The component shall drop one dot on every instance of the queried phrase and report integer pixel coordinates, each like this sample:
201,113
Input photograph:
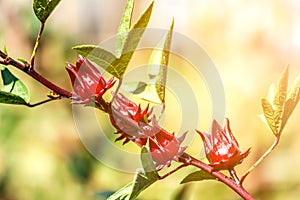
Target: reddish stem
31,72
186,158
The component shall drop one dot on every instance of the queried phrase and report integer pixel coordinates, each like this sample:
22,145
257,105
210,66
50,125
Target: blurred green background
250,42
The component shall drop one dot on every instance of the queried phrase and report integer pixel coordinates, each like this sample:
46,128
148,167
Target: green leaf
117,65
198,176
5,50
148,165
270,116
278,109
101,57
23,60
157,71
134,87
105,59
133,38
158,64
145,91
281,91
141,182
133,189
136,31
292,101
124,27
14,90
43,8
143,179
10,98
122,193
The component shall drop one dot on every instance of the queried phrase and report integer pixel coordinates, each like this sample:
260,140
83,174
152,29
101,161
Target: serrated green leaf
124,27
148,165
14,90
158,63
198,176
43,8
270,116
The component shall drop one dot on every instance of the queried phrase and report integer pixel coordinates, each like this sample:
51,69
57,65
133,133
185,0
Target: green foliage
123,193
158,64
134,35
281,103
5,50
43,8
14,90
146,91
23,60
148,164
198,176
127,41
102,57
143,179
154,91
124,27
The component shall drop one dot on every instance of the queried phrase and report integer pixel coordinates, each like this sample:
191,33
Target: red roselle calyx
134,124
165,147
130,120
221,148
87,81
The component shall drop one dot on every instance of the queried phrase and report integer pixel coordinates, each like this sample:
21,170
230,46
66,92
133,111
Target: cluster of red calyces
135,124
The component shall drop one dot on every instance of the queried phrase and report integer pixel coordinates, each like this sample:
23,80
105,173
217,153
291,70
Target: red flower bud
88,83
221,148
165,147
130,120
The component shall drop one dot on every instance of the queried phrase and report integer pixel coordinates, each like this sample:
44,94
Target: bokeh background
250,42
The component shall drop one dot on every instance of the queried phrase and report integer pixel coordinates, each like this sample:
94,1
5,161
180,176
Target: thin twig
173,171
37,42
35,75
117,89
41,102
276,141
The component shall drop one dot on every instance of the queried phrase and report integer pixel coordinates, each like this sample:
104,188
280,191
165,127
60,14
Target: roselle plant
138,124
